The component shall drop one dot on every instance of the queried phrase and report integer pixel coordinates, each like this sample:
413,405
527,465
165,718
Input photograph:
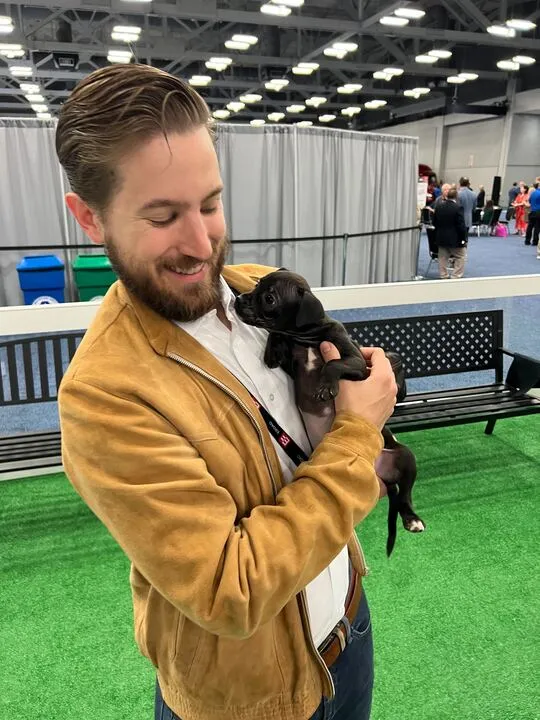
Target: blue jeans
352,673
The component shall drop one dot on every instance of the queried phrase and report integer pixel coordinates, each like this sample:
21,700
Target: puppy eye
269,299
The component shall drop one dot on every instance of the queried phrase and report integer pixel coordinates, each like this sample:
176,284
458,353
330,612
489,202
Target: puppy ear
286,269
310,311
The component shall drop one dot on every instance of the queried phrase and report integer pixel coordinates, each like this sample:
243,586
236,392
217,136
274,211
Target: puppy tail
393,512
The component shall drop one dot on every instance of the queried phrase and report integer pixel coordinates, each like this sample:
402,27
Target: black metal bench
433,345
32,371
429,345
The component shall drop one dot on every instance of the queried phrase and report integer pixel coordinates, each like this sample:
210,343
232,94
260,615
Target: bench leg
490,425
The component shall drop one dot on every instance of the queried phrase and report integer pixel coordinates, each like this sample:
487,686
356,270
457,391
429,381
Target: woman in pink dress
520,203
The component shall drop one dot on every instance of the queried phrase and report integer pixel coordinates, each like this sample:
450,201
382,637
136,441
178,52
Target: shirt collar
227,299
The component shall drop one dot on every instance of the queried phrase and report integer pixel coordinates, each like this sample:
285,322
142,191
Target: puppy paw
414,525
325,393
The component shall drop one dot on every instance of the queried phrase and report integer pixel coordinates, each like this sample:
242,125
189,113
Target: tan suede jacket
168,450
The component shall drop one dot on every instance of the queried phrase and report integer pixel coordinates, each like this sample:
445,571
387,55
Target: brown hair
113,110
452,194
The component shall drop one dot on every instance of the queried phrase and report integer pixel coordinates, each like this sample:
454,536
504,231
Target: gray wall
524,152
429,133
473,150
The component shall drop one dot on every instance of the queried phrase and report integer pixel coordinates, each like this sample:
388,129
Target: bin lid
92,262
40,262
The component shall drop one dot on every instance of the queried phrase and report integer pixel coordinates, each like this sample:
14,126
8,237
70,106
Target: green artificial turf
455,610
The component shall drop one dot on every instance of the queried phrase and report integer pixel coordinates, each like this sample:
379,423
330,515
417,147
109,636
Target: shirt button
272,397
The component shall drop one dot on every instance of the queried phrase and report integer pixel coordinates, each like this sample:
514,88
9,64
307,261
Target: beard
149,282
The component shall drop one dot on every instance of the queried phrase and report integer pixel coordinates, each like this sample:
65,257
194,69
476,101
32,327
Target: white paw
416,526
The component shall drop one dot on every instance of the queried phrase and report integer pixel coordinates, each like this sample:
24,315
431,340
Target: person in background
481,199
534,217
437,191
512,194
467,200
520,204
451,233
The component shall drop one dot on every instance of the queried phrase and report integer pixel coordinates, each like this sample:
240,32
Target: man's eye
164,223
209,210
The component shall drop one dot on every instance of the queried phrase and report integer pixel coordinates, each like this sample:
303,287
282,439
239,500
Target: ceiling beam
477,15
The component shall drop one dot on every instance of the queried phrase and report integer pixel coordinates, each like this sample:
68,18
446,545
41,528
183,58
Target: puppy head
280,301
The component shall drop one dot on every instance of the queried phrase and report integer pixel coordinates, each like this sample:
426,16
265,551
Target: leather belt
337,641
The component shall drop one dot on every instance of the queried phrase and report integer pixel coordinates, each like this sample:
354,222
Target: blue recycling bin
42,279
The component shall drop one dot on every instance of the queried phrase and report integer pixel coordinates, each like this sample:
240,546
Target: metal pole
344,260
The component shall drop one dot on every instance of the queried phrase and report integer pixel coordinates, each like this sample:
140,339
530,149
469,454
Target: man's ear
87,218
310,311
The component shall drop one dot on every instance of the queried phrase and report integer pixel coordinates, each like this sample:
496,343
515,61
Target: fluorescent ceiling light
6,20
468,76
508,65
6,25
9,47
326,118
295,108
346,46
411,93
236,45
517,24
411,13
221,60
200,80
258,122
304,123
35,99
349,88
120,56
218,67
305,68
249,39
124,37
127,29
393,71
393,20
20,70
13,54
315,101
221,114
441,54
250,98
276,116
381,75
44,116
290,3
30,88
236,106
501,31
524,59
301,71
39,108
332,52
375,104
427,59
351,111
456,79
276,85
281,10
421,90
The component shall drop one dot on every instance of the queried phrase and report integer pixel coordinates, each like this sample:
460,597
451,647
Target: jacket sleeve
460,224
180,527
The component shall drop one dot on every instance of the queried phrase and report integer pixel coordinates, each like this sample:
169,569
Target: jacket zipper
230,393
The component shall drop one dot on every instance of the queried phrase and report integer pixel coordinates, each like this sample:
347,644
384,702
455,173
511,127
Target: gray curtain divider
280,182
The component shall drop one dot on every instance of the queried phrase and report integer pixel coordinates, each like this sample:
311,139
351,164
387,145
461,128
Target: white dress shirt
241,351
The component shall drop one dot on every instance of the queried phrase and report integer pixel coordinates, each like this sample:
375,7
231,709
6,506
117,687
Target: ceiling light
127,29
218,63
351,111
258,122
524,59
44,116
304,123
290,3
221,114
516,24
421,90
249,39
21,70
441,54
456,79
332,52
346,46
301,71
124,37
326,118
39,108
315,101
349,88
237,45
30,88
10,50
13,54
236,106
6,25
280,10
305,68
501,31
295,108
427,59
393,20
411,93
394,71
200,80
468,76
250,98
120,56
508,65
375,104
276,85
411,13
382,75
35,99
276,116
6,20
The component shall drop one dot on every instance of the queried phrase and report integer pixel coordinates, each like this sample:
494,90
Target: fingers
329,352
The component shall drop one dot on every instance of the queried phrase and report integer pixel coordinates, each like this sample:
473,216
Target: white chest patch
312,358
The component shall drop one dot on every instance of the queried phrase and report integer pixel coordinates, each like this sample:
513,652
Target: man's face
165,228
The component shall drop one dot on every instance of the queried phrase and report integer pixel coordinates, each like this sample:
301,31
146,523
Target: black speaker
496,190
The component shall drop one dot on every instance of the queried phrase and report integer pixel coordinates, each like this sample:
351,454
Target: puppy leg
351,368
277,352
406,463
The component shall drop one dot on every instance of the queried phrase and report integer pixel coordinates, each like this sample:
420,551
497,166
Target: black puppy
283,304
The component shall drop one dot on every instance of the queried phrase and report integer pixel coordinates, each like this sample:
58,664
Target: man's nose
195,240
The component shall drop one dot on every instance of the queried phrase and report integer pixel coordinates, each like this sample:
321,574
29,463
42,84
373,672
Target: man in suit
467,200
451,234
